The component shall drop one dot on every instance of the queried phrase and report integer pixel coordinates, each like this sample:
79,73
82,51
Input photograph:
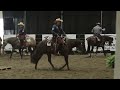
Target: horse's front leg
11,53
96,50
21,52
104,51
36,65
49,60
66,62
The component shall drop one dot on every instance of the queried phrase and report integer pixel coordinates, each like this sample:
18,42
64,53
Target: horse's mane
108,37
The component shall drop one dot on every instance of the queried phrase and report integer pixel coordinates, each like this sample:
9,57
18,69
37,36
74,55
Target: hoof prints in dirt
4,68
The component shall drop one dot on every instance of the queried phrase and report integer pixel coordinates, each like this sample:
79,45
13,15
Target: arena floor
81,68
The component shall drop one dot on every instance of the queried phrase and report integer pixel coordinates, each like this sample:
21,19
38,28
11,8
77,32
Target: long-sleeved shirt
97,30
22,32
57,30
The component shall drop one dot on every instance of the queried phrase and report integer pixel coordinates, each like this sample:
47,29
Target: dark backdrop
77,22
40,22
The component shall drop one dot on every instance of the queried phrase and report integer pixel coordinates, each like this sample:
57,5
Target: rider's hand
103,29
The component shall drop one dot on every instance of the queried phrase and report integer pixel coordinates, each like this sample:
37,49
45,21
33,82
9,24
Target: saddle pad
48,43
28,40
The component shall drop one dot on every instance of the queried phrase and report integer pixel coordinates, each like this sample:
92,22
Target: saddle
54,42
22,40
99,40
49,42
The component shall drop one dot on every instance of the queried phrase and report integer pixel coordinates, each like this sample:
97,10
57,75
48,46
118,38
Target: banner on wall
106,47
70,36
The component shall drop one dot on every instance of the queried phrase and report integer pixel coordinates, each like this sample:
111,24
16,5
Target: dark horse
42,48
14,41
92,41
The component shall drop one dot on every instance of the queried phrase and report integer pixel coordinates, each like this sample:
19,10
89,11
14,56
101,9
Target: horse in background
14,41
92,41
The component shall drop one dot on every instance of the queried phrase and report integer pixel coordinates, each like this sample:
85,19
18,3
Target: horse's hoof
68,69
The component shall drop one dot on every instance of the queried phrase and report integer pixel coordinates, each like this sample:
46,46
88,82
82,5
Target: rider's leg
21,42
99,36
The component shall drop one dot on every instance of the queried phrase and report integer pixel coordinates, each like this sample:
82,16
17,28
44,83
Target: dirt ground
81,68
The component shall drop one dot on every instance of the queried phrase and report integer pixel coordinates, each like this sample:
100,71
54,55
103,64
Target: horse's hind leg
37,61
91,51
88,49
36,65
49,60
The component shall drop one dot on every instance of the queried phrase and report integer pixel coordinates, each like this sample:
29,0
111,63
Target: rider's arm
92,30
53,30
103,29
63,33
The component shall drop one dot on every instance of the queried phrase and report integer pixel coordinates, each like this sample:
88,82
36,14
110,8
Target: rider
57,31
97,30
22,34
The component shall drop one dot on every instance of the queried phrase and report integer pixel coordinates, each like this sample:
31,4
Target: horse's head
109,39
60,40
80,44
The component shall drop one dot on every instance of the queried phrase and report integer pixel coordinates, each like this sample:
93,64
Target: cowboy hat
59,20
98,23
21,23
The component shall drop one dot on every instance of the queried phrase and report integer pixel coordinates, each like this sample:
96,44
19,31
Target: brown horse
65,48
14,41
92,41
